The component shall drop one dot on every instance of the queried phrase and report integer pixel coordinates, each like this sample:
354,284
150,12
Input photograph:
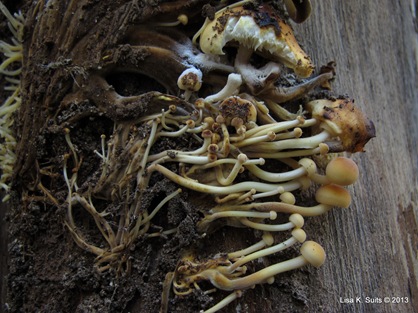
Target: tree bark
371,247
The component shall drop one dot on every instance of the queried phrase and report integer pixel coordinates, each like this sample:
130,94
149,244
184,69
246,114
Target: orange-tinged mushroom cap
334,195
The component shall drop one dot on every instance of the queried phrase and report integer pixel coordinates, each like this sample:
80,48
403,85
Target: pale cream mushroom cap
313,253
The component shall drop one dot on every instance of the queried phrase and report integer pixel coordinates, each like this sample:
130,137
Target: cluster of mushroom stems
230,162
246,152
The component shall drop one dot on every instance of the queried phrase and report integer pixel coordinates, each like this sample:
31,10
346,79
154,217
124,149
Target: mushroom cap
297,220
342,171
299,234
309,166
260,30
313,253
343,119
190,79
288,197
236,107
333,195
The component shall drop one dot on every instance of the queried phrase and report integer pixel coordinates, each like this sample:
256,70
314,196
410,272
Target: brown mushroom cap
342,171
236,107
261,30
333,195
313,253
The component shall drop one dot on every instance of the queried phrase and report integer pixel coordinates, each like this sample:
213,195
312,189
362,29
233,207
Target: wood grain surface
372,246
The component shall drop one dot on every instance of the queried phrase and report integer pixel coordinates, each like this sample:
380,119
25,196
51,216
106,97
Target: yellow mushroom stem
238,166
224,302
311,253
328,196
276,177
279,127
267,227
298,235
174,154
295,143
267,240
222,190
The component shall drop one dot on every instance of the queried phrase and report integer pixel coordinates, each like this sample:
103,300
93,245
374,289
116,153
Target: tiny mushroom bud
190,80
299,234
297,220
309,165
288,197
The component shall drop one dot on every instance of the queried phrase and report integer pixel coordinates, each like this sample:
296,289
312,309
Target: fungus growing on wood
260,30
311,253
228,139
340,170
343,119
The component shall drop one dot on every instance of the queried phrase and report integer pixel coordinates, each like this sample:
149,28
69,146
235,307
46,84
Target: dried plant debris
175,127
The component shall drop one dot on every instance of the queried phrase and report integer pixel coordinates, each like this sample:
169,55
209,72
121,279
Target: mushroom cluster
241,138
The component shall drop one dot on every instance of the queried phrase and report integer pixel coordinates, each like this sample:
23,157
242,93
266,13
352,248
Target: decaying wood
372,247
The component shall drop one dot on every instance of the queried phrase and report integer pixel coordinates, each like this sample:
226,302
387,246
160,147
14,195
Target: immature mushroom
327,196
234,108
340,170
189,81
